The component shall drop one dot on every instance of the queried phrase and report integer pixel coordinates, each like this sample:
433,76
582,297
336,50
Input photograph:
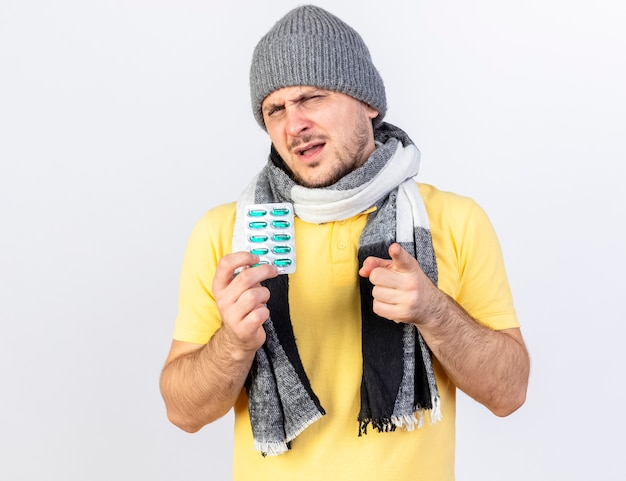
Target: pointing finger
372,263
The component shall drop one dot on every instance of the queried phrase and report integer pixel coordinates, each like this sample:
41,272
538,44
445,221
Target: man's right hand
241,300
200,383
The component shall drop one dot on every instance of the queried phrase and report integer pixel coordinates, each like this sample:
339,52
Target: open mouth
309,150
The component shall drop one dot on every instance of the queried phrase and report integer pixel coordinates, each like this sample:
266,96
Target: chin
318,178
317,181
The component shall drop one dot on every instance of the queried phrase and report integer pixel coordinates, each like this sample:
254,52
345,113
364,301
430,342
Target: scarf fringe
275,448
406,422
409,422
435,412
384,425
268,448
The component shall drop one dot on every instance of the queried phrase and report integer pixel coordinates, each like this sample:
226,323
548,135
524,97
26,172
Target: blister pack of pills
270,235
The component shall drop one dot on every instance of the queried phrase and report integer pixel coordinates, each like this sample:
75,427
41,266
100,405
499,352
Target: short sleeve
469,258
484,289
210,239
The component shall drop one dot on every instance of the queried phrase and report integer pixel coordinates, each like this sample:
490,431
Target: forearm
202,385
490,366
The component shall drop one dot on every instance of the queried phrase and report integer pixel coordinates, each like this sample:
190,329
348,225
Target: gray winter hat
310,46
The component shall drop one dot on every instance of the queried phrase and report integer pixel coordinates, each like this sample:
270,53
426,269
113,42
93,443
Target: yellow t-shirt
325,311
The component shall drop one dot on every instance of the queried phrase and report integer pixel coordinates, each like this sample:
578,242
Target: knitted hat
310,46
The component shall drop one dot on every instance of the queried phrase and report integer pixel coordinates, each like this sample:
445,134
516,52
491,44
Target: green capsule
281,237
282,262
280,224
257,212
258,238
278,211
281,250
257,225
259,251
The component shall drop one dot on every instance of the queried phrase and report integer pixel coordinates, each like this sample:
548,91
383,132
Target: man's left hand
402,292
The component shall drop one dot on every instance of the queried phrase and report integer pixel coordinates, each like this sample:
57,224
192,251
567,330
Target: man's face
321,135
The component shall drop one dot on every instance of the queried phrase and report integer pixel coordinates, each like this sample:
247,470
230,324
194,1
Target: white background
121,122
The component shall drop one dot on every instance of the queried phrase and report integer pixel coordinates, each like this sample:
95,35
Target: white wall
121,122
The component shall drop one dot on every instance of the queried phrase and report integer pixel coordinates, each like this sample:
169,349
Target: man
347,368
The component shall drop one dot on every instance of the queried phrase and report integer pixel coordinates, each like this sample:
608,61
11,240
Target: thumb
401,260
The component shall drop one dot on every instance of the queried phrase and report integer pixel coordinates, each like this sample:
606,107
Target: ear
371,112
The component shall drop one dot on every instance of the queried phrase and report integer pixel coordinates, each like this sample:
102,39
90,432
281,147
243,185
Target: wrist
232,350
439,309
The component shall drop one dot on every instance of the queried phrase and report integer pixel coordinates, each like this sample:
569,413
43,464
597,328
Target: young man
347,368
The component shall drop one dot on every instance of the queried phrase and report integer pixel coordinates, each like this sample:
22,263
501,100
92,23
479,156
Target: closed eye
312,98
272,109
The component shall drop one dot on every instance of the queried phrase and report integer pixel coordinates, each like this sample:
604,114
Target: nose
297,121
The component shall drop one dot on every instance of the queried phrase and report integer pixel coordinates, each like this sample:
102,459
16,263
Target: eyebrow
271,106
